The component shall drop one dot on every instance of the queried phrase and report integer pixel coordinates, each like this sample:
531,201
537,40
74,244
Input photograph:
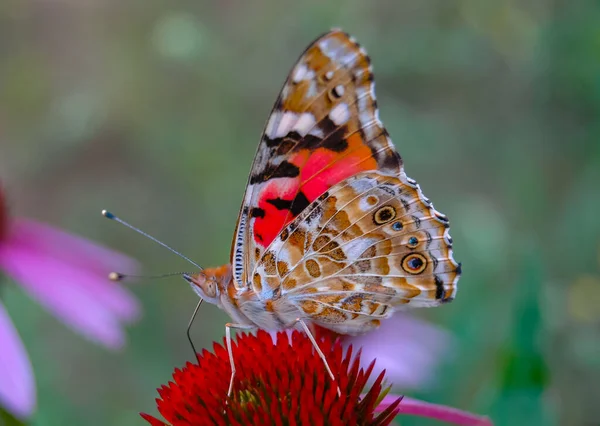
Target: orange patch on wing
269,263
331,315
316,59
257,282
282,268
353,303
297,100
273,282
289,283
309,306
409,291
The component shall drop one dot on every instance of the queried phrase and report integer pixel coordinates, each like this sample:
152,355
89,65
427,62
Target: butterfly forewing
324,128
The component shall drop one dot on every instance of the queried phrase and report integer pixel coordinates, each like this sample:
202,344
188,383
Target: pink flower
407,348
68,276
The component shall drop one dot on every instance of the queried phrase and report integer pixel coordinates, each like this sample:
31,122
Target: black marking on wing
434,260
299,204
440,293
334,139
314,214
294,141
429,239
294,138
389,189
393,161
283,170
280,203
405,204
257,212
417,221
336,142
295,206
323,196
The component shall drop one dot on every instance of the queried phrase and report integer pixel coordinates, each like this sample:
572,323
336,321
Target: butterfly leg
319,351
228,328
189,327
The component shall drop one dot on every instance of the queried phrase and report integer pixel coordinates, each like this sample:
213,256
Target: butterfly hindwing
368,245
324,128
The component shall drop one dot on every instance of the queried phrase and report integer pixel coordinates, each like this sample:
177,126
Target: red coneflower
281,382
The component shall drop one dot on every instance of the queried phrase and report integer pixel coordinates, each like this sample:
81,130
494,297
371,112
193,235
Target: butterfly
331,231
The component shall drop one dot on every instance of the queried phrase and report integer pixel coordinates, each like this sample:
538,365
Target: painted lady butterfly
331,231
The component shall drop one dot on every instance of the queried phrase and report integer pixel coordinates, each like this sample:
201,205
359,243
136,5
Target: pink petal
434,411
408,349
17,386
71,248
66,283
92,264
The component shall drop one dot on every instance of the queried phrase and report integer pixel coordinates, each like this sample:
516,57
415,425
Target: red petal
153,421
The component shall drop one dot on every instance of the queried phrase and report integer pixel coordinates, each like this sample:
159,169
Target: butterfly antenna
111,216
117,276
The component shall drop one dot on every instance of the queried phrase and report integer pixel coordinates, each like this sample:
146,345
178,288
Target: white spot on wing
299,74
356,247
363,185
340,114
271,124
348,59
280,124
285,124
330,47
302,73
305,123
311,91
316,131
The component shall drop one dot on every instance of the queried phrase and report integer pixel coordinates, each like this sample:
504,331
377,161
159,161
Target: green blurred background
154,108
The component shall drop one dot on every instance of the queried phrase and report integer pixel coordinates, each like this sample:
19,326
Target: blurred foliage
7,419
154,108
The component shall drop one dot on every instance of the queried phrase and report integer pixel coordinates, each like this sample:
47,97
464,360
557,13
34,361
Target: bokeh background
154,108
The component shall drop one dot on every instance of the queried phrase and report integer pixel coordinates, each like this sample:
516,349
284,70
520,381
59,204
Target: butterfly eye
413,242
414,263
210,288
384,215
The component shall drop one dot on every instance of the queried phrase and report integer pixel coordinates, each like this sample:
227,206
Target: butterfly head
205,286
209,283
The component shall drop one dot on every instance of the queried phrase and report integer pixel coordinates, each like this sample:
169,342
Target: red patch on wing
266,228
319,170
